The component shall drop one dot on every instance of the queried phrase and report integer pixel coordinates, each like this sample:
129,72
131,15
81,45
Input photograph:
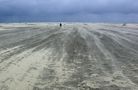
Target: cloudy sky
69,10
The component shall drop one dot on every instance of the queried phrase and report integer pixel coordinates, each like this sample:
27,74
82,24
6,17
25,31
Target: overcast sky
69,10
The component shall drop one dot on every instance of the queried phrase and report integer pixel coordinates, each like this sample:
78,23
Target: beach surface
76,56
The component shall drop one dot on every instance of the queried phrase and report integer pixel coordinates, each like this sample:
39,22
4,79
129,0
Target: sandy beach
76,56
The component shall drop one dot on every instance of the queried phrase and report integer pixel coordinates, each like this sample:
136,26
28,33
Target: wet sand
77,56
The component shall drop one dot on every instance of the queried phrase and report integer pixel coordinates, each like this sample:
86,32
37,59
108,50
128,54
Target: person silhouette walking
60,24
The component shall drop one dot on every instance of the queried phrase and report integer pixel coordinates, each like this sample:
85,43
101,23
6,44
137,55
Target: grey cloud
69,10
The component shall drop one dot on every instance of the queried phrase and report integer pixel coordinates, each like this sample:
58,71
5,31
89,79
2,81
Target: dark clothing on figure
60,25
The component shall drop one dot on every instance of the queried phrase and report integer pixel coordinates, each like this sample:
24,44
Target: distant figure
60,24
124,24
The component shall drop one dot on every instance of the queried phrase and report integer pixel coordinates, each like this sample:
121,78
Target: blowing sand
78,56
